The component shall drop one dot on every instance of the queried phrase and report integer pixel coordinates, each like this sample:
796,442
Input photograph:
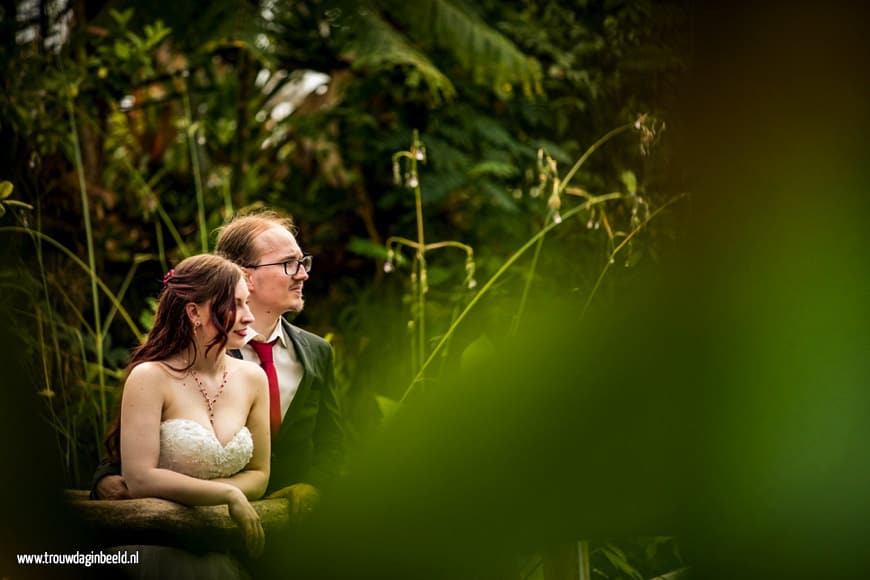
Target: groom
307,443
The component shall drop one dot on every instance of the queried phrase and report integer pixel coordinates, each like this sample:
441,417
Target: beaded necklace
210,402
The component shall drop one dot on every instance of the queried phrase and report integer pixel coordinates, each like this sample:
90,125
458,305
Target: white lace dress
193,449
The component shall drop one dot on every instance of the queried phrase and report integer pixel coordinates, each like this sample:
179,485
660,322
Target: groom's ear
246,273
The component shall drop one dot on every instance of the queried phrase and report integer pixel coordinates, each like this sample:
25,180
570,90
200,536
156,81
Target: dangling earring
196,326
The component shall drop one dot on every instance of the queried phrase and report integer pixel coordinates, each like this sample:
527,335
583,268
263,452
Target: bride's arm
141,412
254,479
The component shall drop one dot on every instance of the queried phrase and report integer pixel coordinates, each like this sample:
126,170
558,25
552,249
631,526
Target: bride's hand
248,520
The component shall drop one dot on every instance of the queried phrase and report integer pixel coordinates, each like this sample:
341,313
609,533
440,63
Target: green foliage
129,51
635,559
380,46
453,26
406,173
6,189
183,112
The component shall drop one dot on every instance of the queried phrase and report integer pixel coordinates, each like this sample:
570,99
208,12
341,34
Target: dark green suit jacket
310,445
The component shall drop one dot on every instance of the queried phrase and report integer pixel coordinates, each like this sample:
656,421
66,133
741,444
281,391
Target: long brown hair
202,279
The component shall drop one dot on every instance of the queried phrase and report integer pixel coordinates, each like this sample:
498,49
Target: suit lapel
303,353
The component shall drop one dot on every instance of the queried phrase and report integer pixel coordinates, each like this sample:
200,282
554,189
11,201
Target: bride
194,423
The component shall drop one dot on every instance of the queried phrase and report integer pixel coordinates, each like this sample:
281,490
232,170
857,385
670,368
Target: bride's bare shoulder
153,370
251,372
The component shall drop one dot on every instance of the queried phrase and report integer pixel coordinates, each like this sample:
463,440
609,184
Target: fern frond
490,56
378,45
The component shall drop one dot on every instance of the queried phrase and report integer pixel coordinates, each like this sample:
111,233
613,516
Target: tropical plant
133,133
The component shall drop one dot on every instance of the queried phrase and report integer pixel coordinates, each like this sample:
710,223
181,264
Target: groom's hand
112,487
303,498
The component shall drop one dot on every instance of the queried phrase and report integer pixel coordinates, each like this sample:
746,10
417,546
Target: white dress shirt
287,365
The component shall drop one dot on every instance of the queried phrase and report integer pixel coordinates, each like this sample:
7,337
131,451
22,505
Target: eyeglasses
304,262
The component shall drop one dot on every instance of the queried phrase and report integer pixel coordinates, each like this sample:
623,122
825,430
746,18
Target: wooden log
164,522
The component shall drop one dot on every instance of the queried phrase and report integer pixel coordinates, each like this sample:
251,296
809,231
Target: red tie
264,351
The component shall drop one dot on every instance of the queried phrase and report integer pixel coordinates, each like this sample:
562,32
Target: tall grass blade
495,277
89,238
197,174
125,315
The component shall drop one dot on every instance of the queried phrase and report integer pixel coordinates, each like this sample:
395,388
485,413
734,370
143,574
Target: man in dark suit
307,443
306,428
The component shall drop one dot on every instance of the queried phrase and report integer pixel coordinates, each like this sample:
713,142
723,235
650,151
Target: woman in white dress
194,423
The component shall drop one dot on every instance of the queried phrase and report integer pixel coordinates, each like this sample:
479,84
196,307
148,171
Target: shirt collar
277,334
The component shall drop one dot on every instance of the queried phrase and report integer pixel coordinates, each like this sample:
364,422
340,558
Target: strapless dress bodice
193,449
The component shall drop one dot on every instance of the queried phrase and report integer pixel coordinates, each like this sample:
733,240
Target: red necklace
210,402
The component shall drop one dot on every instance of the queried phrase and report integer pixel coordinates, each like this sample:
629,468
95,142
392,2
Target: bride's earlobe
192,313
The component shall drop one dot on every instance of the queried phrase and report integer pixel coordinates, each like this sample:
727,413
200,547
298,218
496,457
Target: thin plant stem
400,240
173,231
433,246
62,434
197,177
74,310
161,246
95,298
40,258
40,335
592,149
123,289
448,244
419,284
421,271
446,349
530,274
106,291
414,361
501,271
228,199
622,244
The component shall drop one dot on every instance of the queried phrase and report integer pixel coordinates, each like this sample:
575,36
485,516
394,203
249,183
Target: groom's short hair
235,239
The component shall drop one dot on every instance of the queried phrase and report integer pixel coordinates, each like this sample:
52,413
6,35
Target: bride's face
243,318
236,337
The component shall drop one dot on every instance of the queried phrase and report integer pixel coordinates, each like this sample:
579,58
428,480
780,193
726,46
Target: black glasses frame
304,262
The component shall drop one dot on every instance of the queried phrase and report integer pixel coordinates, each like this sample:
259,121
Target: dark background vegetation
151,107
714,387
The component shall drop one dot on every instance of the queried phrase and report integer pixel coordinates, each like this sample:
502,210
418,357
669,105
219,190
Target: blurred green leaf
388,407
629,179
367,248
498,195
122,17
494,168
122,50
6,188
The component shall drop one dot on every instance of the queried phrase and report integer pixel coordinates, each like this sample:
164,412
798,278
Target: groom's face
273,290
